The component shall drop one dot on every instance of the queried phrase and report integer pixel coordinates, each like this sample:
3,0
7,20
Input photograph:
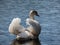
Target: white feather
15,27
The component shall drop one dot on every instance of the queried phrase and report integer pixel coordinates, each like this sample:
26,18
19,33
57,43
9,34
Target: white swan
31,32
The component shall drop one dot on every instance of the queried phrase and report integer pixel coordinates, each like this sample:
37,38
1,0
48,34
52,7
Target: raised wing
15,27
34,26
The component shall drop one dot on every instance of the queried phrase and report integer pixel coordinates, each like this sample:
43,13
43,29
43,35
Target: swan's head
33,13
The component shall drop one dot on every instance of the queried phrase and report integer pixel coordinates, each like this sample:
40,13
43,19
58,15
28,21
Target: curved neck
31,16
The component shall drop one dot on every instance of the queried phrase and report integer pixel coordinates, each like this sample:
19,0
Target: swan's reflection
28,42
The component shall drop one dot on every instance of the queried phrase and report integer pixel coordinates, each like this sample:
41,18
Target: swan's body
31,32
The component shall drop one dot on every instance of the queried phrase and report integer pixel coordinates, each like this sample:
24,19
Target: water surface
49,11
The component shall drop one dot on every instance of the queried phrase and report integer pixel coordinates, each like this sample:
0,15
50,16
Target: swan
32,31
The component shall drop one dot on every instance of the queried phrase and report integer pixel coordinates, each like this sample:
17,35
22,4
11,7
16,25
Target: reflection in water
28,42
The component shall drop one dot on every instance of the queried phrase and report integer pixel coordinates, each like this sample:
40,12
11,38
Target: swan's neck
31,16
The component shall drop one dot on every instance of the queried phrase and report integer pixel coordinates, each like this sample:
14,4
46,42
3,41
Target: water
28,42
49,11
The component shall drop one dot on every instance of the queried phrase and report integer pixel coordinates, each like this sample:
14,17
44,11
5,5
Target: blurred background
49,11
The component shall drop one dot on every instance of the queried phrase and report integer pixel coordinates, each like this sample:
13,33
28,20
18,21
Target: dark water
28,42
49,11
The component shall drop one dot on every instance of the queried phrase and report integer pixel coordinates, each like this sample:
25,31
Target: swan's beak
38,15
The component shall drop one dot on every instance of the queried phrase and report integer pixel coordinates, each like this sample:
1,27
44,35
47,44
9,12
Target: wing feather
15,26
